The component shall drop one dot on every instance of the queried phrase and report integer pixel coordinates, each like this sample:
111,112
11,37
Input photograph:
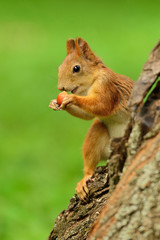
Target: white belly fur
116,124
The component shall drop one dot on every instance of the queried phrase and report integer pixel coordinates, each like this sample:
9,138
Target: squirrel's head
77,72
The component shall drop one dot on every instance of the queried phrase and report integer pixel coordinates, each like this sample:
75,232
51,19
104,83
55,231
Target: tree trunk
124,195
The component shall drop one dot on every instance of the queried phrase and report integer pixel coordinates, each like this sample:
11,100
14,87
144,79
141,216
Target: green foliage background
40,150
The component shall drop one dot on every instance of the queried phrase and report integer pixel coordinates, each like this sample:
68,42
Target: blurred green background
40,150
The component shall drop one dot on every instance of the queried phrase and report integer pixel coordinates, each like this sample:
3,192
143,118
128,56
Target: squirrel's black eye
76,68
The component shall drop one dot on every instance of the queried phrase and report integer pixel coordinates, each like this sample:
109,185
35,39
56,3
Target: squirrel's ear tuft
84,50
82,47
70,46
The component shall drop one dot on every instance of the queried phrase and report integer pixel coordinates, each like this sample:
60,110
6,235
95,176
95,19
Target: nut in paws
69,99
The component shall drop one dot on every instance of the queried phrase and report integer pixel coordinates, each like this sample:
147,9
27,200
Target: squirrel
96,92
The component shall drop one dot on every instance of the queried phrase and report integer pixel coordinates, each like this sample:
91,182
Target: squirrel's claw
82,189
54,105
67,100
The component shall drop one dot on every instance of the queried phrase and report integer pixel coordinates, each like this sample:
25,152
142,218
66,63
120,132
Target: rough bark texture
80,217
125,195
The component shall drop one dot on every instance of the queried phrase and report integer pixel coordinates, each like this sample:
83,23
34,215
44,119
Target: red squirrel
96,92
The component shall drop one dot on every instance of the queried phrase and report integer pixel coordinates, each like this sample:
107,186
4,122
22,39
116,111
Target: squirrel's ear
83,49
70,46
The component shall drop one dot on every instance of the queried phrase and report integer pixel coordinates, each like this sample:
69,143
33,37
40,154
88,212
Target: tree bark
124,195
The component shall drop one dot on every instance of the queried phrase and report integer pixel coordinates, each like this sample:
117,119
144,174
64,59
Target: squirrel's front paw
54,105
82,189
68,100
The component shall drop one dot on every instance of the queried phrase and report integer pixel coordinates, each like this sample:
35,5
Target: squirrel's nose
61,89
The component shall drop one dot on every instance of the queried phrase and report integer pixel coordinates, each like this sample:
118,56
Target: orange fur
97,92
94,146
